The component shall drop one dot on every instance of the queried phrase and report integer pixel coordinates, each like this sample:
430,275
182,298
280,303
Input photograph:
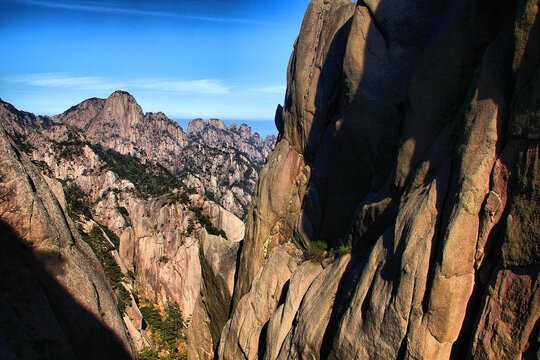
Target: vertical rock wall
409,132
55,301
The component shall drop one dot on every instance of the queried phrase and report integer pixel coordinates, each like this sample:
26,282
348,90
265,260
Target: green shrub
124,298
190,227
211,196
69,149
29,244
164,259
342,250
78,202
101,248
184,198
317,251
151,315
150,178
167,329
147,353
172,325
207,224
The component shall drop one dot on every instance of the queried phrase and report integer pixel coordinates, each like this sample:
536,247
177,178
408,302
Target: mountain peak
121,93
216,123
124,98
195,126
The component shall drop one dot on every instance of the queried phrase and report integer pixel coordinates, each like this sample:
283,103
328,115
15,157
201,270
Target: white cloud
66,81
115,9
96,83
204,86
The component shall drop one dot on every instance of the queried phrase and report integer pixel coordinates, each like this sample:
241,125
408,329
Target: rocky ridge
219,161
397,216
19,124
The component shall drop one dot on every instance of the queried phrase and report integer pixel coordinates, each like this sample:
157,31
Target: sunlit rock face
164,257
409,139
119,123
55,299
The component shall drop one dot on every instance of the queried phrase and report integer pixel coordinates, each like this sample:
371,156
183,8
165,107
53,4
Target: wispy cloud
102,7
203,86
64,80
96,83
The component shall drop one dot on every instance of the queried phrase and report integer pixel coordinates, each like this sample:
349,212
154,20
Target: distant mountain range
215,160
139,191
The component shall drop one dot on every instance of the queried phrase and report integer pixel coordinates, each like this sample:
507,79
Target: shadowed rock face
218,258
54,297
409,133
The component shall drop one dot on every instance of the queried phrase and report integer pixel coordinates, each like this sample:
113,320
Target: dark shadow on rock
344,294
360,155
39,319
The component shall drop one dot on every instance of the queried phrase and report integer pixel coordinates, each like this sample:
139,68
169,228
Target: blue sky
217,58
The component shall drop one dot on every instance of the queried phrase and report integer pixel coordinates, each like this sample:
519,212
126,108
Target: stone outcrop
409,137
154,242
222,174
215,133
157,246
224,162
218,258
55,301
164,259
19,124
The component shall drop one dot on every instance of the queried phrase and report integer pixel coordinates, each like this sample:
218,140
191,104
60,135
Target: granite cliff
55,299
398,215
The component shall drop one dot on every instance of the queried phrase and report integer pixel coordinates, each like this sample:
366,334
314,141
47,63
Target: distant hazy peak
195,126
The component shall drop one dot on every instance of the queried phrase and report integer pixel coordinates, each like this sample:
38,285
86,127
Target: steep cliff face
409,138
154,241
55,299
224,162
159,247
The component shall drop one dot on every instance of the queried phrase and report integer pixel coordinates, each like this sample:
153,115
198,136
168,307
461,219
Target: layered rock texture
218,161
409,138
55,301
